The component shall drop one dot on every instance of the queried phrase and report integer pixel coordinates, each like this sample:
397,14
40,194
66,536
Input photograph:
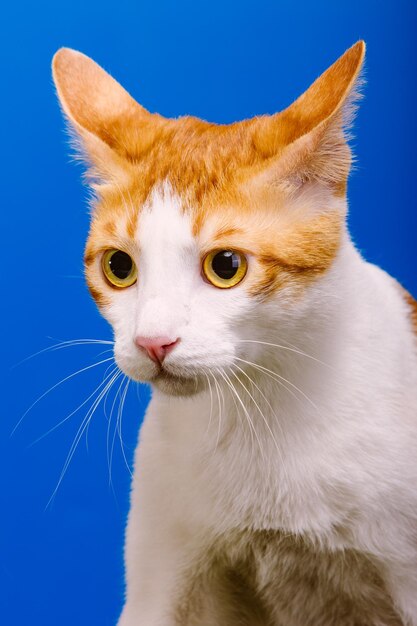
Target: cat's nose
156,347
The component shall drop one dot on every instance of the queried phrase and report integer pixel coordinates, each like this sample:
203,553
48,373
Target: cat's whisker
290,349
252,382
240,420
105,398
81,339
290,391
292,345
246,412
107,395
249,422
109,367
119,425
219,421
278,448
65,419
211,404
105,351
64,344
80,433
61,382
94,407
277,376
119,395
108,449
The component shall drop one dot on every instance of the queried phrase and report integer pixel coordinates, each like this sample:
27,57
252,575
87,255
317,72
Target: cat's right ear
110,128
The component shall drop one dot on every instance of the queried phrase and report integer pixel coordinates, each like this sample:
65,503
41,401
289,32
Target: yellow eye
119,268
225,268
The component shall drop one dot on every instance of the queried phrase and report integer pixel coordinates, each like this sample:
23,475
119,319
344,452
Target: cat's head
204,236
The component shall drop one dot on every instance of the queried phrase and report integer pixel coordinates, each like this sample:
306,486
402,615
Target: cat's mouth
176,384
173,378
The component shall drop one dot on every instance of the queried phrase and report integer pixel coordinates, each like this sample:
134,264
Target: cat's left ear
308,140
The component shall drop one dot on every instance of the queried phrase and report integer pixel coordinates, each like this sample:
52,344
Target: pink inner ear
95,102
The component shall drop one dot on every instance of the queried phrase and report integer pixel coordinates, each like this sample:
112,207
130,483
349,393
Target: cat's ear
108,124
308,140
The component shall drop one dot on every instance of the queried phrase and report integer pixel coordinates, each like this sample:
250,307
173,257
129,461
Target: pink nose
156,347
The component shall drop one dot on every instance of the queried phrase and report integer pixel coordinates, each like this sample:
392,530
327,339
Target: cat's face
204,236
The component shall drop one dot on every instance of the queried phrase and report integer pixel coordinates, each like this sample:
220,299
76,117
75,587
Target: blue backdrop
61,564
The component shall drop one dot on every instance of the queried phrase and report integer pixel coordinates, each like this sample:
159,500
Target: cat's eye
225,268
119,268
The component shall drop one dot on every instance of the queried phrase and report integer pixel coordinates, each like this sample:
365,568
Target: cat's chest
239,480
245,485
299,583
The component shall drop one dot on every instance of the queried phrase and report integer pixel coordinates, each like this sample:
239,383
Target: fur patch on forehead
164,218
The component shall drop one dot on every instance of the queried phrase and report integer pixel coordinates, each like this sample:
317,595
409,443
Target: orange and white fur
276,474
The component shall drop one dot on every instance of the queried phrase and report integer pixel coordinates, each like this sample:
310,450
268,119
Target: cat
276,473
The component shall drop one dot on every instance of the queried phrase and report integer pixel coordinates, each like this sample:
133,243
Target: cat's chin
177,385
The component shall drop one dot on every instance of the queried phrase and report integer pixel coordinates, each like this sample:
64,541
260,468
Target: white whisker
105,398
219,421
97,389
240,421
80,433
211,404
260,411
280,378
233,389
290,391
108,449
61,382
291,349
119,425
64,344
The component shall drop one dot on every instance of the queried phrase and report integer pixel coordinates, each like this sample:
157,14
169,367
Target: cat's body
344,470
276,476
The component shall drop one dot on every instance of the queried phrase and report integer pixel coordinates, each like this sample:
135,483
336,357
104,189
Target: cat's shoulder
411,304
398,300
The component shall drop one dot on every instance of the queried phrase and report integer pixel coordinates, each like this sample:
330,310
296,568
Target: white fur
336,461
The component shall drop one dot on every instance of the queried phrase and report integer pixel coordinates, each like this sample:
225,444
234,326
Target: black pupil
120,264
225,264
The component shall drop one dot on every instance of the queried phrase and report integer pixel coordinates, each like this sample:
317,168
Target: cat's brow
231,231
226,237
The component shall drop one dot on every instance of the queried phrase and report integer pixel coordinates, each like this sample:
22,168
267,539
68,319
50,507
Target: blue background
62,564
